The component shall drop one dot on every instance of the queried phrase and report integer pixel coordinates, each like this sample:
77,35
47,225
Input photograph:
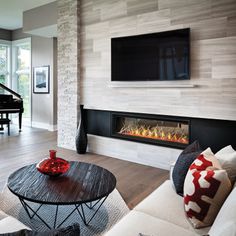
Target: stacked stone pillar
68,71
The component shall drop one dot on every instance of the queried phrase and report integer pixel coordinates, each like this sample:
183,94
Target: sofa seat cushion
227,159
165,204
3,215
10,224
136,222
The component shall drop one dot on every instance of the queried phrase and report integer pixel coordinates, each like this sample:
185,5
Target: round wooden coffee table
84,185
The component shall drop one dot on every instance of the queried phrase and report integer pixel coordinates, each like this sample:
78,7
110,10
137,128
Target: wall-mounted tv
151,57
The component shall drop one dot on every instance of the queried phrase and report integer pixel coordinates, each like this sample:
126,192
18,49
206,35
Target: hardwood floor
134,181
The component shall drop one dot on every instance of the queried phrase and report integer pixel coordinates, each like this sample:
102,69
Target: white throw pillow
208,151
227,158
225,222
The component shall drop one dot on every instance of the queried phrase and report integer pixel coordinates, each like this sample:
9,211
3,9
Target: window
22,73
4,63
15,71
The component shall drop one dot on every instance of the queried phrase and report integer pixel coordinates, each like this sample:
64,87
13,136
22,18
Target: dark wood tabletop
83,183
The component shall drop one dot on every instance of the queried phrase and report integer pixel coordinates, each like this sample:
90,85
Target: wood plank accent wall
213,56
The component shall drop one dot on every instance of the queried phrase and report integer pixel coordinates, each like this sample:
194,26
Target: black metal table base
77,207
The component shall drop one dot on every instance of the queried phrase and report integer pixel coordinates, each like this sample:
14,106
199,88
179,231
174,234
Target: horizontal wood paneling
213,56
135,7
145,154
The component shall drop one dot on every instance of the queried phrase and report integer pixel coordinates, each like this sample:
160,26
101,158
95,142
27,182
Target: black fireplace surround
171,131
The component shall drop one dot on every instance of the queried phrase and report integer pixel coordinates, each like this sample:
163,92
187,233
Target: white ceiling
11,11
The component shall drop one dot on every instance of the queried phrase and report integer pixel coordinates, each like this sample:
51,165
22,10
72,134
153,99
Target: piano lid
10,91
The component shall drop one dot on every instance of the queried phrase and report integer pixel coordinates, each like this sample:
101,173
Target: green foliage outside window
22,72
3,65
23,76
3,59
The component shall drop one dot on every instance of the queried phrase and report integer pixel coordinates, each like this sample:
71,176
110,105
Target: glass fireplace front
168,132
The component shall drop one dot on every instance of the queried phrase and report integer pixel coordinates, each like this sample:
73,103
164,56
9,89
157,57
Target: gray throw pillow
185,159
73,230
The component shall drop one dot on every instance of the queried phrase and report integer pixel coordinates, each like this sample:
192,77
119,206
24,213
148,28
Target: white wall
43,109
43,52
41,21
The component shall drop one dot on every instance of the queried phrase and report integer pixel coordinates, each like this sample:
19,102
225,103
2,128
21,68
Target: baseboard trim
41,125
52,128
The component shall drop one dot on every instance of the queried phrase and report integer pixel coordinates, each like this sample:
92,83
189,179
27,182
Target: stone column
68,71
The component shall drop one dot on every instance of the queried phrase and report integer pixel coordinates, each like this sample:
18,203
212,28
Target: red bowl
53,167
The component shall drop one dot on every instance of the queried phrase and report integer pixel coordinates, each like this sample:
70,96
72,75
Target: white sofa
9,224
162,214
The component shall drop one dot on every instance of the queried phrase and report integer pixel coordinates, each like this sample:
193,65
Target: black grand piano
8,104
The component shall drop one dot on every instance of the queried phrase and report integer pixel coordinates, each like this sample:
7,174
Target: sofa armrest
171,169
11,224
170,174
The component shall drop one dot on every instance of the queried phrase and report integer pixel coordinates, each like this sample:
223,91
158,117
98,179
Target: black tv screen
151,57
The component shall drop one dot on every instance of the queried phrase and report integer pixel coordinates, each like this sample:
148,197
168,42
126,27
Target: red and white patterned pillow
206,187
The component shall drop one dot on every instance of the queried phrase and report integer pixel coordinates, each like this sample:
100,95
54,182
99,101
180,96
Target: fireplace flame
170,134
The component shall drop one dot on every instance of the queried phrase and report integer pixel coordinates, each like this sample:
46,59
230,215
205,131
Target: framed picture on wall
41,79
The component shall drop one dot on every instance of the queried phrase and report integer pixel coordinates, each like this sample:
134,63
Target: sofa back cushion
205,189
225,222
227,159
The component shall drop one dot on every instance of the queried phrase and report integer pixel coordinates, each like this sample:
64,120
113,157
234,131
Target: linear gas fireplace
150,129
161,130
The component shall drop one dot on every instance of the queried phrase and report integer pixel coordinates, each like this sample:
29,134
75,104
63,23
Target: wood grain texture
224,66
213,51
135,7
223,8
134,181
199,10
84,182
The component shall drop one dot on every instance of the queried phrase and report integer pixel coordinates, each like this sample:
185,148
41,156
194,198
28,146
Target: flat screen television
151,57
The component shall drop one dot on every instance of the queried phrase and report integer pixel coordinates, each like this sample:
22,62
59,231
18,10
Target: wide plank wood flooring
134,181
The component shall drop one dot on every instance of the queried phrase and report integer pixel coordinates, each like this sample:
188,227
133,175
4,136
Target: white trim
52,128
10,66
41,125
150,84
